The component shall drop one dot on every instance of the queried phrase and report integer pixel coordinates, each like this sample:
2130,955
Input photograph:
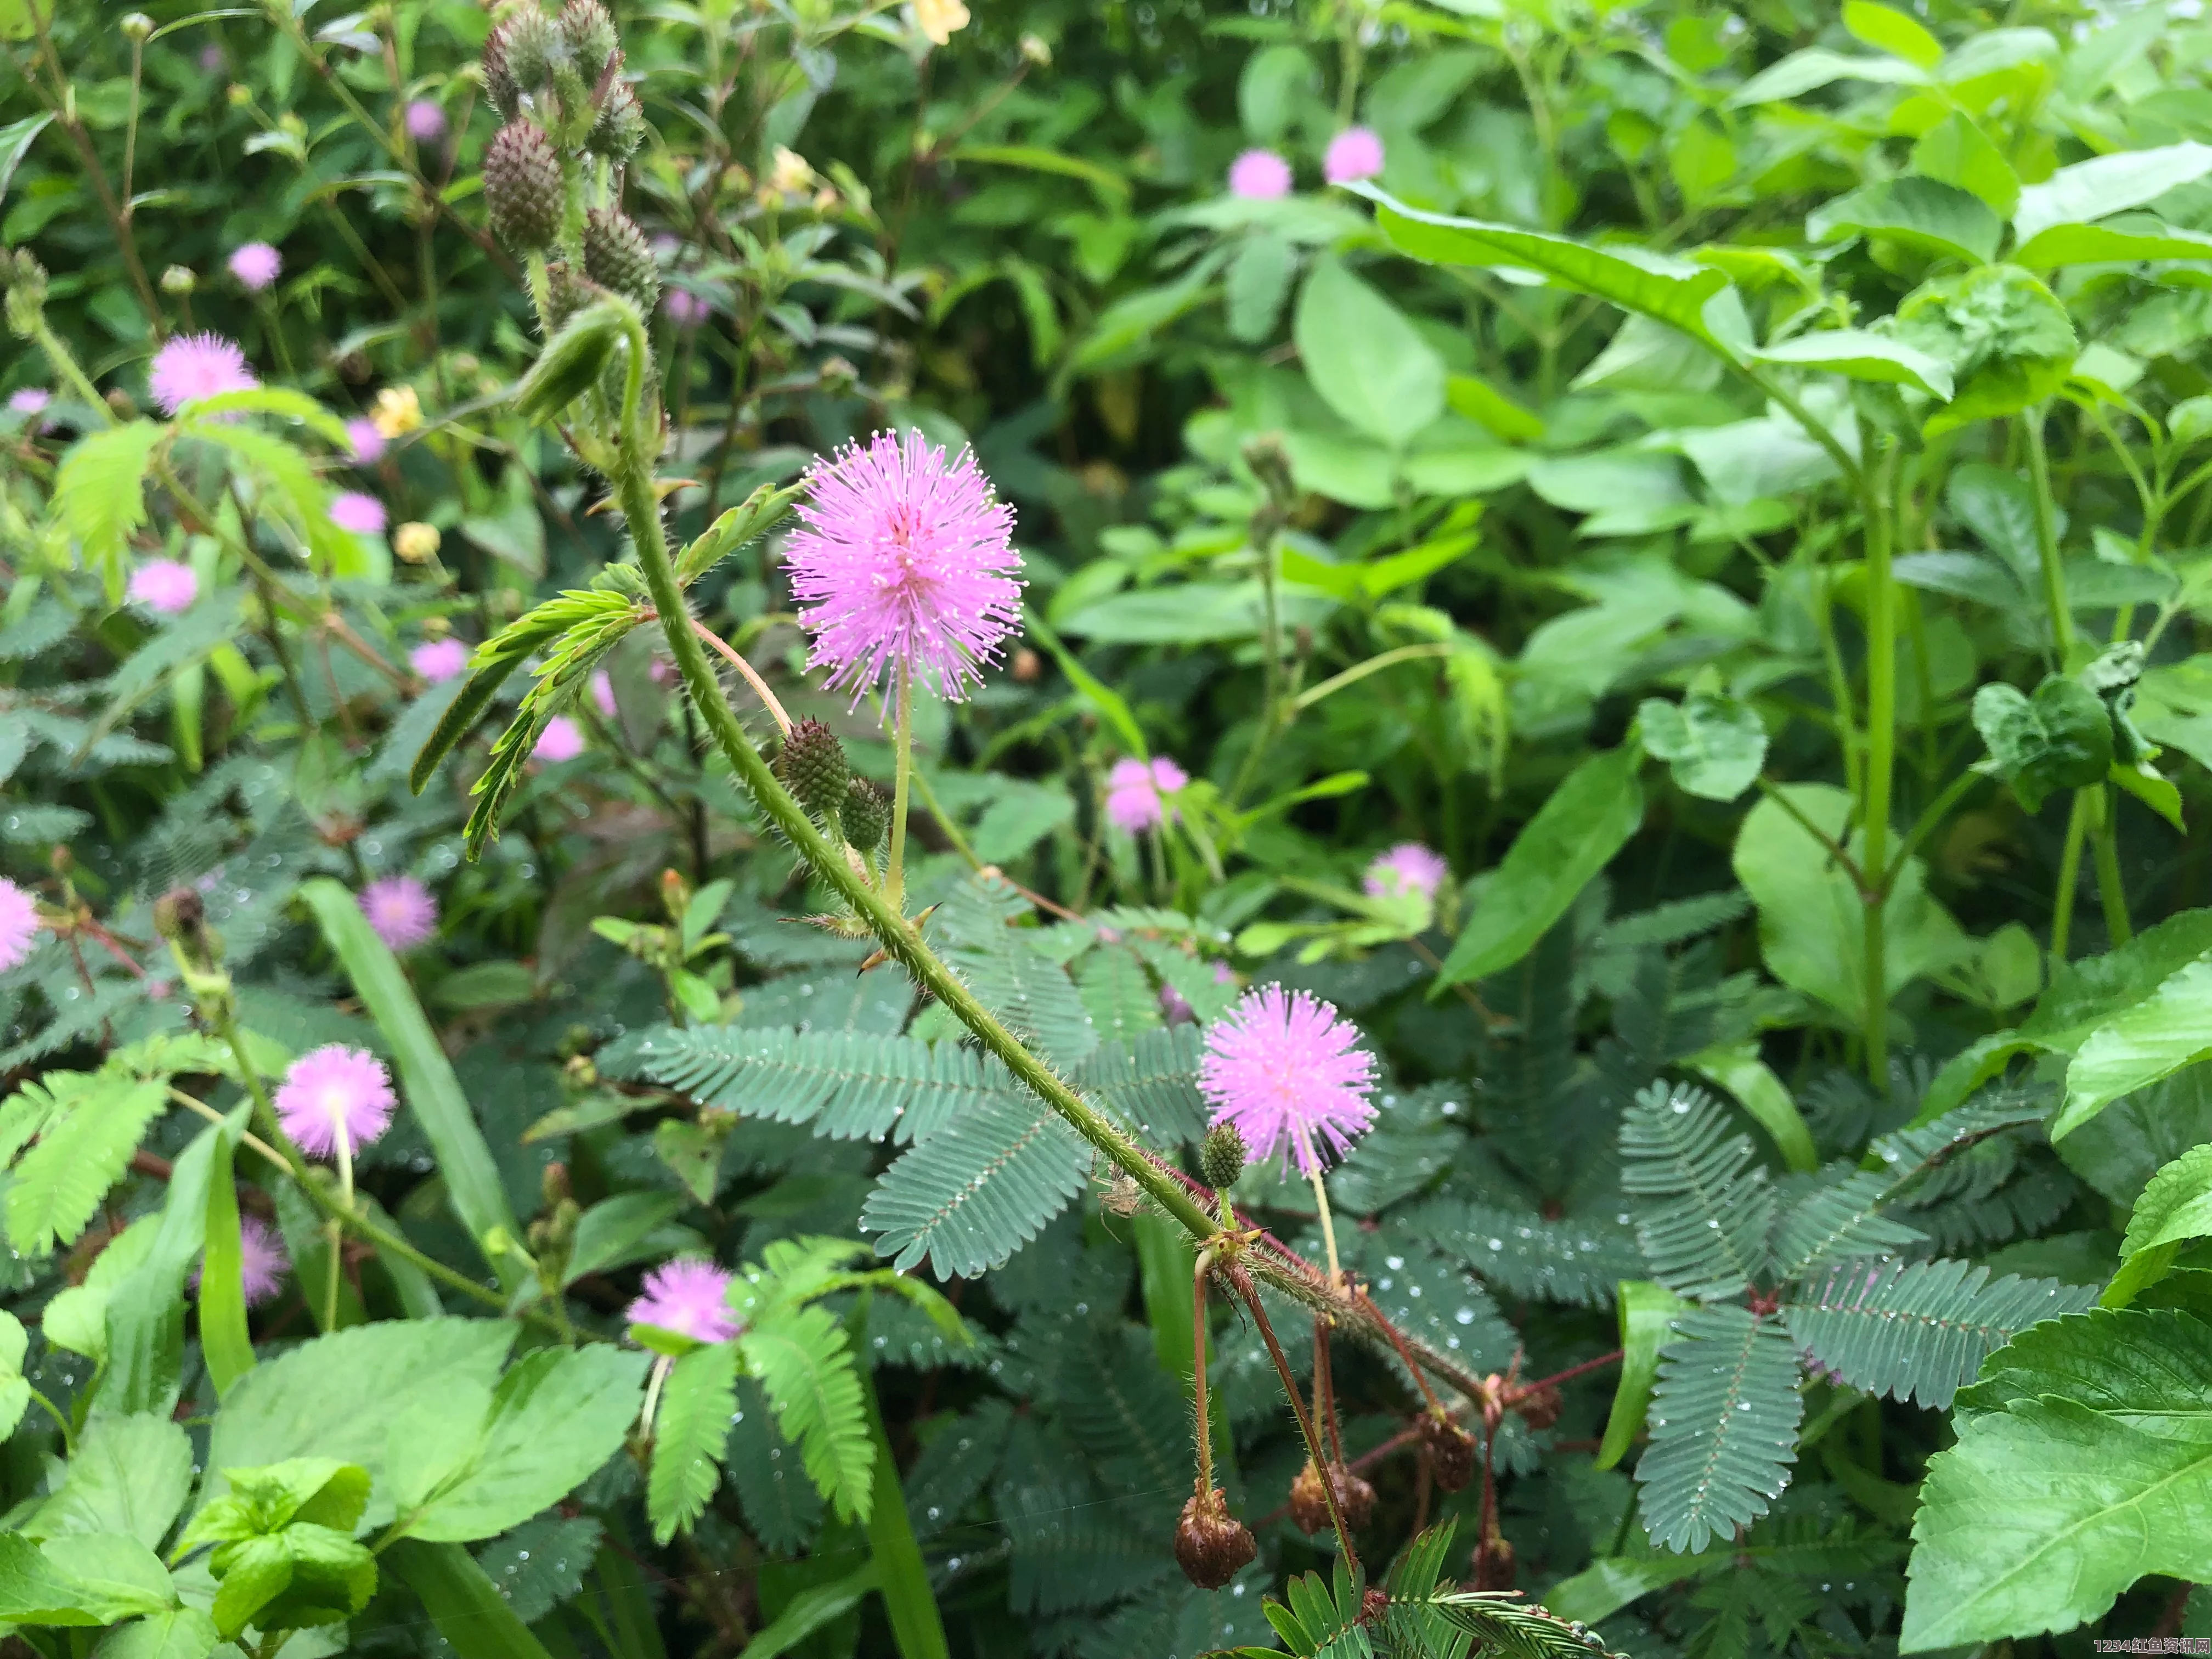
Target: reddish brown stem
1567,1376
1325,1389
1241,1282
1197,1372
1399,1342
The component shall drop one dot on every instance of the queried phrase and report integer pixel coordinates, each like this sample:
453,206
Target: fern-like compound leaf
1919,1331
1724,1427
1704,1224
804,1364
1839,1219
88,1125
1151,1085
978,1189
1576,1260
697,1401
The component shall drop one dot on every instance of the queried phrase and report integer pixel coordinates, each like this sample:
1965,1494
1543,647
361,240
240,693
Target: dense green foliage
1734,484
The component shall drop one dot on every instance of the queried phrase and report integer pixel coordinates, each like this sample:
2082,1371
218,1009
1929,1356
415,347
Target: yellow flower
940,20
791,174
397,411
416,542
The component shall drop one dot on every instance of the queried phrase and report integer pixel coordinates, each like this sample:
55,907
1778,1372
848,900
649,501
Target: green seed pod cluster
591,36
865,815
522,186
616,257
621,126
814,768
1221,1155
530,49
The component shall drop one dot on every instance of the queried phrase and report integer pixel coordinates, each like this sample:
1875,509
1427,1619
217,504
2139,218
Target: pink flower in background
1260,175
438,661
1283,1066
211,58
1133,788
687,1296
262,1260
1409,867
333,1089
364,443
362,514
194,366
603,693
904,559
1224,974
256,265
685,309
560,740
1354,154
31,400
19,924
661,671
1175,1007
400,911
165,586
426,122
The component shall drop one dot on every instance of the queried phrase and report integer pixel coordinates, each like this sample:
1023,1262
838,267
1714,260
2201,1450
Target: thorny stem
752,675
1242,1282
1325,1391
1398,1342
895,870
1197,1372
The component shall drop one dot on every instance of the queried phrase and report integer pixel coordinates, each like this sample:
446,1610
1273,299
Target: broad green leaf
1811,921
178,1633
2152,1370
130,1476
2152,1039
1647,1313
1897,32
2043,1513
15,140
2126,241
1714,744
1862,356
1954,151
614,1232
1612,1583
1573,836
1921,213
463,1604
1741,1070
2059,739
426,1075
2009,340
2108,183
556,1417
14,1387
226,1342
280,401
1476,399
304,1576
1676,293
121,1571
917,1629
810,1609
100,494
35,1591
1801,72
2176,1207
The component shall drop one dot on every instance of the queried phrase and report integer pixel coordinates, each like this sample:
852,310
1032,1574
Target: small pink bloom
165,586
333,1090
426,122
603,693
31,400
1284,1068
661,671
1354,154
400,911
19,924
438,661
256,265
689,1297
905,559
1167,776
364,443
1409,867
211,58
685,309
560,740
195,366
1223,974
1132,797
1175,1007
1260,175
362,514
262,1260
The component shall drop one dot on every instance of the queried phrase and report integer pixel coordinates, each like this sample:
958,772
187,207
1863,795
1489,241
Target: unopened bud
180,914
123,406
416,542
239,94
1355,1498
135,28
529,46
1271,464
1494,1565
1035,50
865,815
1221,1155
1211,1545
838,376
617,257
522,187
554,1183
591,35
620,128
813,766
178,279
1028,667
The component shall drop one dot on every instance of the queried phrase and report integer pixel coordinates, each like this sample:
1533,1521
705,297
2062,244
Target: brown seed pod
1355,1498
1494,1568
1211,1545
1451,1451
1540,1407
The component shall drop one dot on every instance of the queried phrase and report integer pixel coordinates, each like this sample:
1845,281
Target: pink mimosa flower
164,585
1409,867
904,560
262,1260
560,740
426,122
1354,154
1260,175
333,1088
438,661
364,443
19,924
363,515
1133,788
603,693
1283,1067
195,366
687,1296
256,265
400,911
31,400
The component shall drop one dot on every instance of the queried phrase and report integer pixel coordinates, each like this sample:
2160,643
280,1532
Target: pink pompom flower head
687,1296
164,585
364,443
1260,175
560,740
1284,1068
904,560
1133,788
263,1262
686,309
334,1090
195,366
438,661
19,924
31,400
426,121
400,911
1409,867
603,693
256,265
1354,154
363,515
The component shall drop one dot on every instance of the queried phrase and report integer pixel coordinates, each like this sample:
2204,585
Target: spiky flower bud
499,79
616,257
567,291
814,768
620,128
1451,1451
1221,1155
866,815
531,49
591,35
1211,1545
1355,1498
522,187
